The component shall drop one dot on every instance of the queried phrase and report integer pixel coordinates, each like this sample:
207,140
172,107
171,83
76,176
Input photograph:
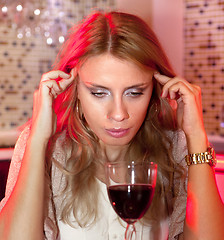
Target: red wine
131,202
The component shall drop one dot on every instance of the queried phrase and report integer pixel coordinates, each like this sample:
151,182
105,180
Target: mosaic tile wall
23,61
204,56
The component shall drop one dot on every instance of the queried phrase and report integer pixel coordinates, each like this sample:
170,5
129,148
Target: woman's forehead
107,67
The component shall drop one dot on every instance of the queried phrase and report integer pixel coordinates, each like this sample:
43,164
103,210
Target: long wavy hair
126,37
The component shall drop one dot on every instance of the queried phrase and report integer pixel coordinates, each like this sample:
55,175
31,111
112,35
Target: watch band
204,157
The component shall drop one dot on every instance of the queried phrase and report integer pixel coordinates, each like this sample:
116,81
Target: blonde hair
126,37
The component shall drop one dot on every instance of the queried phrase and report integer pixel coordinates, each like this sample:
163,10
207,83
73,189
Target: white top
108,226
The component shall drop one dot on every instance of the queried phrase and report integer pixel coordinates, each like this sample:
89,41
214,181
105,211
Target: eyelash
98,94
135,94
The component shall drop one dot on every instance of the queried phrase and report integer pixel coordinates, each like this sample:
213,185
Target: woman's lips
117,132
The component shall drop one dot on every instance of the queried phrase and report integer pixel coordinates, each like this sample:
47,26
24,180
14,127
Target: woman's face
114,96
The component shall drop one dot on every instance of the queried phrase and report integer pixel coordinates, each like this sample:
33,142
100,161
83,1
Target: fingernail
68,75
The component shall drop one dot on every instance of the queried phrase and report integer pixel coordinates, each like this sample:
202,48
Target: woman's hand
189,107
44,119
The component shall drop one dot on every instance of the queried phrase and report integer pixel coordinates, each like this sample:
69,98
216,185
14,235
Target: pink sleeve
15,164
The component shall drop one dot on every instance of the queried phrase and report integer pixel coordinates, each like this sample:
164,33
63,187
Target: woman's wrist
197,142
38,140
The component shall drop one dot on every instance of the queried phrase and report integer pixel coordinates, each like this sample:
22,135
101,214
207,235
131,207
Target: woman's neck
111,154
114,153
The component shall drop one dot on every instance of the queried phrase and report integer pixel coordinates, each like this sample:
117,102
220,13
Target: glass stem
130,233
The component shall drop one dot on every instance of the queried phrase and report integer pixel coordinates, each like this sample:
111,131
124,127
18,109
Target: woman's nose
118,111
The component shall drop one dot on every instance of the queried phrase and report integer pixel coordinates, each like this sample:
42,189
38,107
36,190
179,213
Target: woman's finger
168,90
49,88
53,87
56,87
178,89
65,82
162,79
53,92
52,75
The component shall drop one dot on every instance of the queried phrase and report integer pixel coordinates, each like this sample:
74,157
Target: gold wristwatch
204,157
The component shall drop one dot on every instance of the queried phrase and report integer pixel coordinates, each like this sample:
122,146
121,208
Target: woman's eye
99,94
134,94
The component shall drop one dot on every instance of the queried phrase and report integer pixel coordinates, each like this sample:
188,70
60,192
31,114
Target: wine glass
130,188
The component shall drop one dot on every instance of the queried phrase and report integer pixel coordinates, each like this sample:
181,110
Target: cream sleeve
15,164
14,169
177,218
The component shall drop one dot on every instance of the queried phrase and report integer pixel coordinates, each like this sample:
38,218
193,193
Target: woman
112,95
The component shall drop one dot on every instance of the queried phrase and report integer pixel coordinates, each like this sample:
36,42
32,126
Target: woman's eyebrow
140,85
95,85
